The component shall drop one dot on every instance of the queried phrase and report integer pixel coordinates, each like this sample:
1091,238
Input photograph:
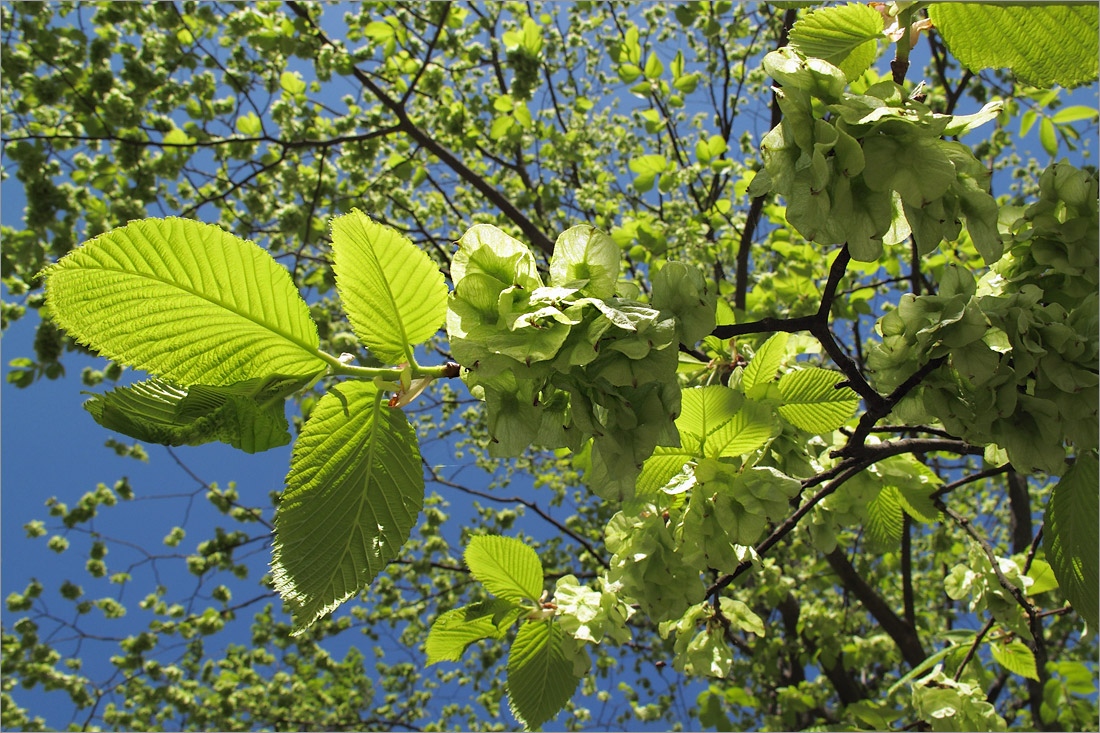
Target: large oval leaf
540,673
506,566
393,293
812,402
186,301
1071,539
1042,44
352,495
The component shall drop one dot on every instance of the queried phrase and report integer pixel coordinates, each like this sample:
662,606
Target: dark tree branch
903,634
752,220
1020,505
534,234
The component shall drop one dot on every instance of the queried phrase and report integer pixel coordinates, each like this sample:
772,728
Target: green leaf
812,402
752,427
506,566
456,629
845,35
185,301
1042,576
249,415
766,361
249,124
1071,539
292,82
664,464
647,168
393,293
705,409
1074,114
1047,136
1016,658
885,520
741,616
1041,44
540,674
352,496
176,136
584,253
653,66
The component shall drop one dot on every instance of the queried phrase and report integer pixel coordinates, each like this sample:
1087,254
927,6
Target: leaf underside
1071,537
1041,44
157,412
540,674
352,496
186,301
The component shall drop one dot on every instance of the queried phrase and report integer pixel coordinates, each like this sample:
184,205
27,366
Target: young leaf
393,293
244,415
185,301
705,409
885,519
1070,536
456,629
764,364
352,495
1016,658
507,567
664,464
540,674
812,402
746,431
846,36
1041,44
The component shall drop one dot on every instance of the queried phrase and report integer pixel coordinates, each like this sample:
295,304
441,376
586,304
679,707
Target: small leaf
1047,136
846,36
352,496
741,616
292,82
456,629
766,361
648,167
1071,537
705,409
1042,576
885,520
506,566
653,66
249,124
176,136
1074,114
753,425
393,293
812,402
1016,658
540,674
185,301
1027,119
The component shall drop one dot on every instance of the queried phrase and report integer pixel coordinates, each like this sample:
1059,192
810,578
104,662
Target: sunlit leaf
185,301
352,496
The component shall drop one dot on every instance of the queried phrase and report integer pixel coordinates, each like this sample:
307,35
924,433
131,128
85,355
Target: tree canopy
668,365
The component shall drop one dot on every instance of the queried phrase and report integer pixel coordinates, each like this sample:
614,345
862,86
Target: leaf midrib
392,302
306,347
